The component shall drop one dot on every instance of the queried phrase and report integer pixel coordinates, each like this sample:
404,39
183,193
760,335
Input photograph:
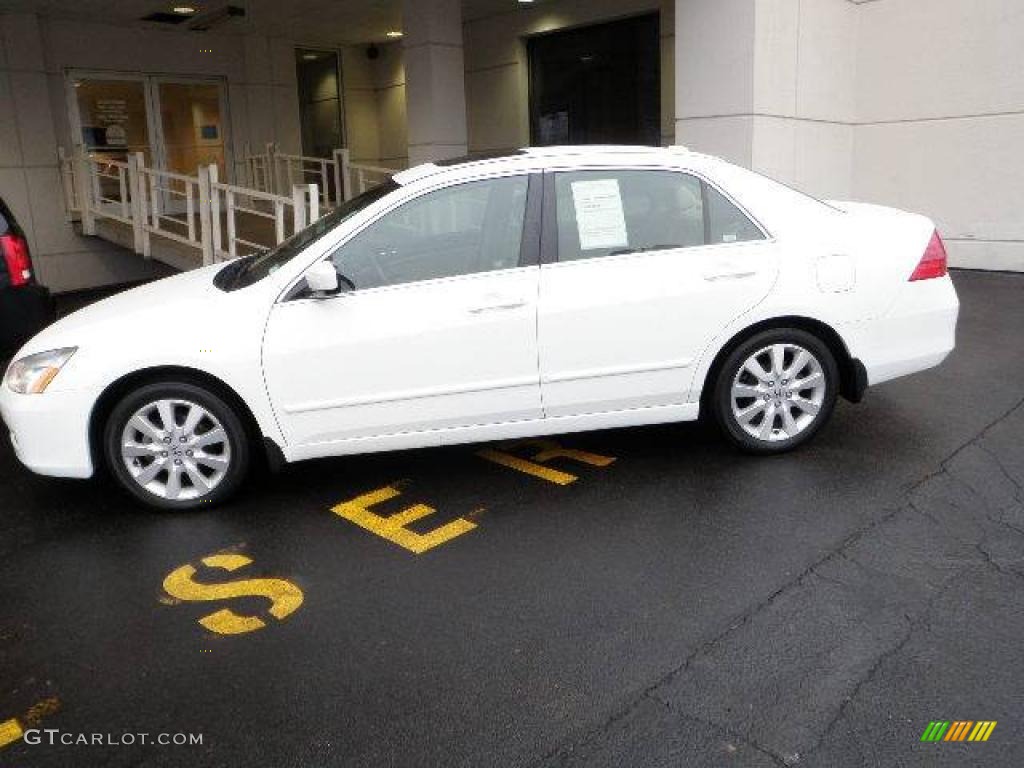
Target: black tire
722,400
238,451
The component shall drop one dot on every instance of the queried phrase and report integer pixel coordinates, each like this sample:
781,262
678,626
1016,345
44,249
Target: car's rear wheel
776,390
176,446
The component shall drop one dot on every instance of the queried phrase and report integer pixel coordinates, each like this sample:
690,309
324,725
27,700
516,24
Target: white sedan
545,291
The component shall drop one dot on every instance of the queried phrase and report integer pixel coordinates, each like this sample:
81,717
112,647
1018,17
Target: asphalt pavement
640,597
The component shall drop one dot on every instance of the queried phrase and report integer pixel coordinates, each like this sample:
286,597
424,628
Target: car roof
538,158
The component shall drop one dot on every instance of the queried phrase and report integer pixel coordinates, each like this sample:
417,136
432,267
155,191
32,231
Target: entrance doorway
177,123
319,84
597,85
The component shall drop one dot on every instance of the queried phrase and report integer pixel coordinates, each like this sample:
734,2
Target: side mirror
322,279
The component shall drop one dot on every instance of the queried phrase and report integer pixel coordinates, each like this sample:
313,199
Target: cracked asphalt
681,606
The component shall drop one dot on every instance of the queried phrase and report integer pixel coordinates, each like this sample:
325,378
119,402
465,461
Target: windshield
251,269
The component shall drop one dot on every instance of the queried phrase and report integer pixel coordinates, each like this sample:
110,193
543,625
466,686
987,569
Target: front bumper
50,432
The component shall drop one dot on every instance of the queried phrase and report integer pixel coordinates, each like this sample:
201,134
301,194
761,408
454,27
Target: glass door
178,124
190,128
111,121
112,115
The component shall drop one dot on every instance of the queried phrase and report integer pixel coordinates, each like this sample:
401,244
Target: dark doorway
597,84
319,101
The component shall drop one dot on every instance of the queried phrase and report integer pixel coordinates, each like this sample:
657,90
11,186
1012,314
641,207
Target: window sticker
599,216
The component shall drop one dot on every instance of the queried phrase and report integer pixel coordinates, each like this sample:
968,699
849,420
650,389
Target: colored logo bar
958,730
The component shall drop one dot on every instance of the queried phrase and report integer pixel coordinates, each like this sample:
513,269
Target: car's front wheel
176,446
776,390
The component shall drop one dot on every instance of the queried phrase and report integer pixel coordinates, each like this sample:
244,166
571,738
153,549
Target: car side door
436,330
642,269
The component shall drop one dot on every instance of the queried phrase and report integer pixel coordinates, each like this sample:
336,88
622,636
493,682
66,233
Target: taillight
933,263
15,253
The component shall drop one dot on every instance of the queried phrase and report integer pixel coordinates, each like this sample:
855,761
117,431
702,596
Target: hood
185,295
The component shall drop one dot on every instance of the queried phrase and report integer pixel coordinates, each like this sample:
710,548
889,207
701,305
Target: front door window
460,230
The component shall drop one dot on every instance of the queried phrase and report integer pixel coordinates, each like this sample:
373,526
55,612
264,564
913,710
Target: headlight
32,375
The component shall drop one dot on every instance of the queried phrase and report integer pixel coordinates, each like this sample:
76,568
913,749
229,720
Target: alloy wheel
175,449
778,392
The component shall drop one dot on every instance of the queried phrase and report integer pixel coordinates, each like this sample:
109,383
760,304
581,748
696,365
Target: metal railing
161,195
198,211
66,168
300,169
304,205
337,177
255,171
110,193
359,177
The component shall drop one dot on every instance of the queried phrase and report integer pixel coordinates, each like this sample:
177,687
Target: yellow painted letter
548,450
285,598
393,527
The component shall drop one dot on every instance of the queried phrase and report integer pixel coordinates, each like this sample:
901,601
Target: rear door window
726,222
615,212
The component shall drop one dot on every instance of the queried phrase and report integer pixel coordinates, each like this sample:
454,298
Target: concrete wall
32,117
913,103
770,84
497,92
35,54
375,105
940,103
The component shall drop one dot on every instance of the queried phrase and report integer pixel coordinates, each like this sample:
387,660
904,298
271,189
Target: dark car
25,306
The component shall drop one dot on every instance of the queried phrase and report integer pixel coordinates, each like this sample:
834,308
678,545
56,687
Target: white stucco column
435,91
770,85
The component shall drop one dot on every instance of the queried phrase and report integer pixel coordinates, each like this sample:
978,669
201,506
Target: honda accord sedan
545,291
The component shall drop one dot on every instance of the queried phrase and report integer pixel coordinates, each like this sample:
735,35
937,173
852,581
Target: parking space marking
548,450
393,527
285,597
10,732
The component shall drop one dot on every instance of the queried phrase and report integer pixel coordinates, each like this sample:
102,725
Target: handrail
374,168
180,207
304,204
156,189
66,168
363,176
337,177
101,203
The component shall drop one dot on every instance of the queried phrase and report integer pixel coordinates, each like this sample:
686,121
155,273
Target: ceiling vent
201,22
163,17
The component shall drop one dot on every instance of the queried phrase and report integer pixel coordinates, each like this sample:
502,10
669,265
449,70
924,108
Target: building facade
912,103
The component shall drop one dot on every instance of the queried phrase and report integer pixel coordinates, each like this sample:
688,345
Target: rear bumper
24,312
918,333
50,432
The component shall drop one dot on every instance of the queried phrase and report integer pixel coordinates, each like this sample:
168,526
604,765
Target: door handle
498,306
729,273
